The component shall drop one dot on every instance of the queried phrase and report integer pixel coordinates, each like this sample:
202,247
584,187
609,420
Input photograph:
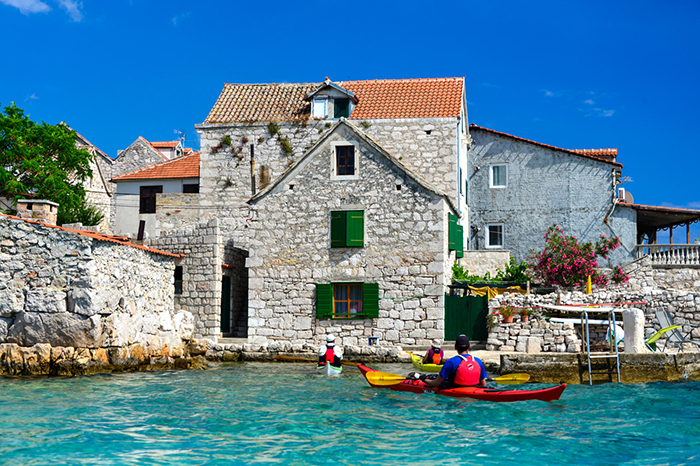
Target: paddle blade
512,379
383,378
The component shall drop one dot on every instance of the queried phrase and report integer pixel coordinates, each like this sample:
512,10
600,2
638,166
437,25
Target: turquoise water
257,413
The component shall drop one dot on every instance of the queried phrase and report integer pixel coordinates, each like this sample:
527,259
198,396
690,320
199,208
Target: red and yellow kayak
393,382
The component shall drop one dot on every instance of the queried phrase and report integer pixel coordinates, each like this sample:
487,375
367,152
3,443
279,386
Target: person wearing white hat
435,355
331,355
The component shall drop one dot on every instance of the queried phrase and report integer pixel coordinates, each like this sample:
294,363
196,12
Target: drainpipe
612,209
252,169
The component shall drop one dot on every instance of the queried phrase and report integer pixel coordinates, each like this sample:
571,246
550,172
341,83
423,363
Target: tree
568,263
42,161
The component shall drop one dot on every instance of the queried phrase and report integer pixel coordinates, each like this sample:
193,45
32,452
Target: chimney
37,209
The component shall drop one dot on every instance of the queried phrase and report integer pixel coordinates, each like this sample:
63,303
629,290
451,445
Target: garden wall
651,289
78,302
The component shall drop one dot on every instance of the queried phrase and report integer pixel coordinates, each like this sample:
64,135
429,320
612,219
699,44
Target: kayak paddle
296,359
383,378
511,379
387,378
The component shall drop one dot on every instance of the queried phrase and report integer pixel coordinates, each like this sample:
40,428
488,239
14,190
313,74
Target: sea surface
277,413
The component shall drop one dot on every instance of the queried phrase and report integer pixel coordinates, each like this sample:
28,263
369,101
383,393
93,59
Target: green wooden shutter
459,241
370,300
452,232
338,229
355,223
324,300
342,107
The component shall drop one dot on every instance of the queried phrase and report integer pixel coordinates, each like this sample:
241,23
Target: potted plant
507,312
492,319
525,314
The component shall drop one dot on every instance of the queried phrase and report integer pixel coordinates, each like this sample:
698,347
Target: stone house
518,188
413,137
359,254
97,188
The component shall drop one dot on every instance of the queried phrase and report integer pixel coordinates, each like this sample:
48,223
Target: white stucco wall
127,216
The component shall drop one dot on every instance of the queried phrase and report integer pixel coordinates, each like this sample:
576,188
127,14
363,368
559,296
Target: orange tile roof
602,153
186,166
596,154
377,99
406,98
164,144
123,240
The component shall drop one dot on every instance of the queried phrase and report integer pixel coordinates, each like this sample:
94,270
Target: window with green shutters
347,300
455,236
347,229
341,108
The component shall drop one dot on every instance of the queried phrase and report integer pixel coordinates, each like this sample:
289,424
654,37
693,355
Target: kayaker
329,353
463,370
435,355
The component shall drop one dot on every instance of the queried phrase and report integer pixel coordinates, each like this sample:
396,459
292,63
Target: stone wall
649,289
405,252
480,262
86,298
175,211
429,147
202,246
534,336
544,187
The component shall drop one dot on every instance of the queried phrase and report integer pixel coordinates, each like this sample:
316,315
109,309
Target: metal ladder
616,355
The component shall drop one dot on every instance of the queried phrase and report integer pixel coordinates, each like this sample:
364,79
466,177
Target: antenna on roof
182,136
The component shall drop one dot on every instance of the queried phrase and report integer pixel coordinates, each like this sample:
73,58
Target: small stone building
356,248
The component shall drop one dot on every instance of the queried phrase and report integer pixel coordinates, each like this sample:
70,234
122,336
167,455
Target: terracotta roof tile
602,155
164,144
123,240
186,166
377,99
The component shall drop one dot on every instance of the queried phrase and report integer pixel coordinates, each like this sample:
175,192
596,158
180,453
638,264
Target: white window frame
356,175
491,169
319,103
488,236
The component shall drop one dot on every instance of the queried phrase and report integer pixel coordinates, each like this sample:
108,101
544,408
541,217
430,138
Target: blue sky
572,74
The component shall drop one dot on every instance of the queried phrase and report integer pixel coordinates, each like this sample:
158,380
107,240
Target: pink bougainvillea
567,262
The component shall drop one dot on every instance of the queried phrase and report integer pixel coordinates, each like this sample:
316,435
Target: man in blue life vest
329,353
435,355
463,370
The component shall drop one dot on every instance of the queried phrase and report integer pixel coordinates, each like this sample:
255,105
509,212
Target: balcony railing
671,255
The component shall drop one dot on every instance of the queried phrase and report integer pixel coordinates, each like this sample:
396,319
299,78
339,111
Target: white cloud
598,112
177,18
548,93
589,102
31,97
72,7
28,6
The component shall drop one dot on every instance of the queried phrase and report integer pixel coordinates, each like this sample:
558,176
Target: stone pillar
633,321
